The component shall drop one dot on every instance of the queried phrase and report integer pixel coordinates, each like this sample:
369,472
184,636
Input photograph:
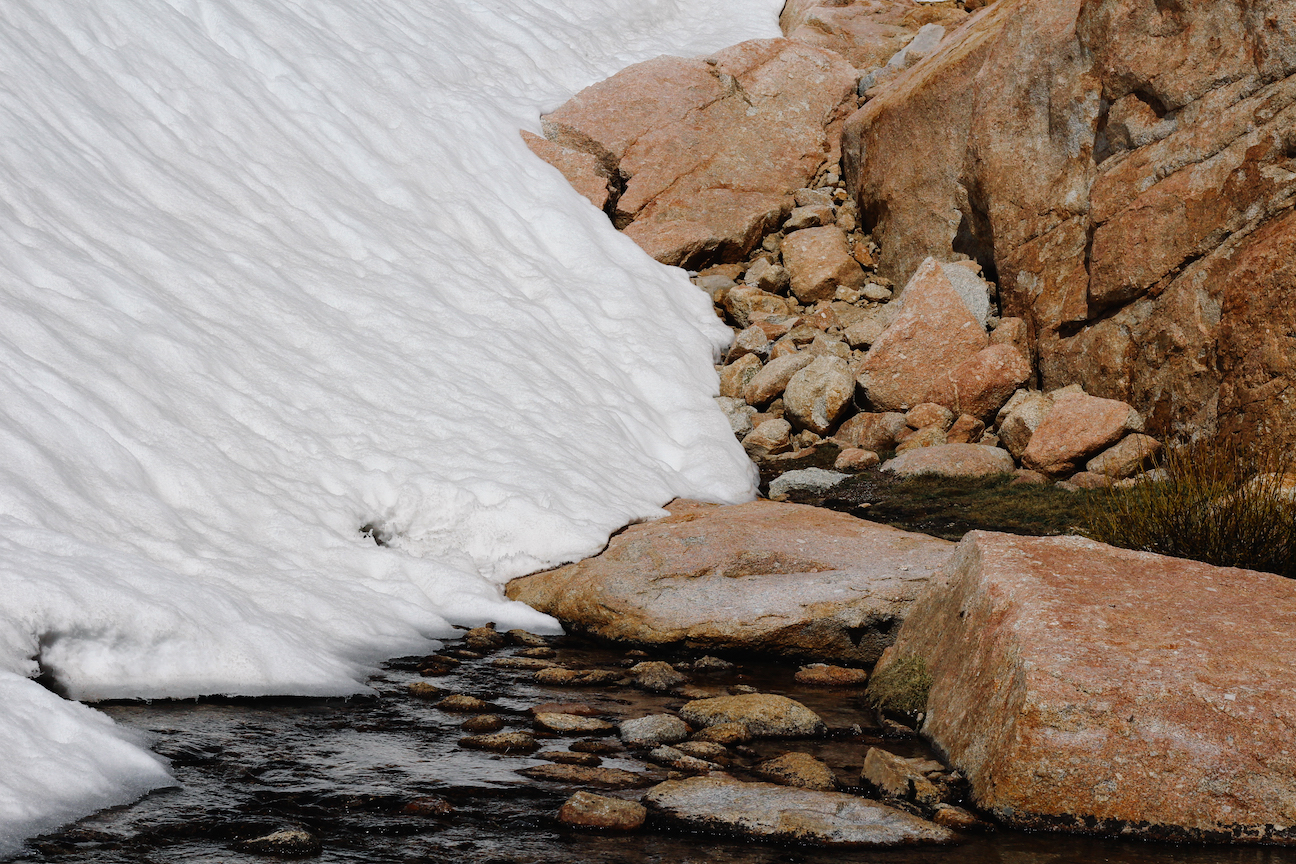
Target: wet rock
781,579
1075,428
824,675
428,805
707,750
573,724
284,843
653,730
580,709
934,331
522,663
656,676
763,715
557,677
727,734
766,811
770,438
501,742
565,757
876,432
952,460
1132,454
819,395
483,723
898,777
710,664
797,769
461,704
770,381
679,761
709,169
484,638
1148,693
815,481
819,260
853,459
957,819
424,690
523,639
581,775
599,747
597,811
542,653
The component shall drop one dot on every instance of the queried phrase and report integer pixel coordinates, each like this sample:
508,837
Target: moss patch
900,685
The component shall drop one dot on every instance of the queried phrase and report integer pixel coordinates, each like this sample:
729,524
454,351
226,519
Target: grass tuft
900,685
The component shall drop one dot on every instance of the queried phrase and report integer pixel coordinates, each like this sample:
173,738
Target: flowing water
348,769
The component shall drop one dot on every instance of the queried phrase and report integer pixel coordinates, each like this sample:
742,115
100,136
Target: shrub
900,685
1216,503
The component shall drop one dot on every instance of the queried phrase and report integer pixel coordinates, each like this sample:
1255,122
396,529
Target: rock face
1079,687
1124,173
709,151
868,33
719,804
934,332
783,579
584,172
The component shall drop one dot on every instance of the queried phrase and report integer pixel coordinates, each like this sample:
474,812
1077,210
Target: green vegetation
950,507
1218,503
900,685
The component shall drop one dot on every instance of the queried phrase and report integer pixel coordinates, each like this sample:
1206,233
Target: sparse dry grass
900,685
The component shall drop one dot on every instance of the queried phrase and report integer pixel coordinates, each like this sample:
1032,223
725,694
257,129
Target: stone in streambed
657,676
763,715
815,481
797,769
284,843
483,723
501,742
559,677
587,810
572,724
653,730
824,675
581,775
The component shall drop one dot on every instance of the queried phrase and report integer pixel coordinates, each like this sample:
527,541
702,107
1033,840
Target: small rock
1075,428
815,481
712,664
750,341
812,198
812,216
708,750
286,842
764,715
1089,480
484,638
826,344
767,277
1027,477
605,778
580,709
744,301
776,326
501,742
854,459
428,805
956,818
770,381
566,757
735,377
657,676
875,292
819,260
543,653
524,639
423,690
522,663
716,285
653,730
742,689
982,383
600,747
863,333
824,675
797,769
876,432
1126,458
573,724
952,460
597,811
482,723
465,654
817,396
931,436
769,438
680,761
898,777
558,677
461,704
929,414
727,734
966,430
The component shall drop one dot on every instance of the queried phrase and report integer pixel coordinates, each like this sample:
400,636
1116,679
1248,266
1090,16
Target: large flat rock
771,812
1097,690
783,579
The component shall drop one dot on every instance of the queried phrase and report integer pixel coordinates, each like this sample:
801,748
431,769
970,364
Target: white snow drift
274,270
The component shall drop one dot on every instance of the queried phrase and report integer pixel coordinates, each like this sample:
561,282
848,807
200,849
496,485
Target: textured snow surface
274,270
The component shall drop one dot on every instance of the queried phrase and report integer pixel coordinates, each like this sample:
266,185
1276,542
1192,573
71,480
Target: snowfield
274,270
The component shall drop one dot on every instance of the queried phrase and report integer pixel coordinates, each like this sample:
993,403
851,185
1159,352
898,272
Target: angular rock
934,332
971,288
584,172
746,302
797,769
819,395
572,724
583,775
812,216
1075,428
735,377
819,260
1125,459
738,413
854,459
932,436
929,414
781,579
764,715
768,384
769,438
653,731
897,777
815,481
750,341
1019,419
1084,688
782,813
587,810
712,151
767,277
866,33
657,676
526,640
863,333
876,432
966,430
985,381
824,675
952,460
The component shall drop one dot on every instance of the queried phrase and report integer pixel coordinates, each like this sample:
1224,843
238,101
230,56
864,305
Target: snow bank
274,270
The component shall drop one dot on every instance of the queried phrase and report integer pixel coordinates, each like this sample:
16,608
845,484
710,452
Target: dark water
347,769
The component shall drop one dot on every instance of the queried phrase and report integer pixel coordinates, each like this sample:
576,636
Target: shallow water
345,769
